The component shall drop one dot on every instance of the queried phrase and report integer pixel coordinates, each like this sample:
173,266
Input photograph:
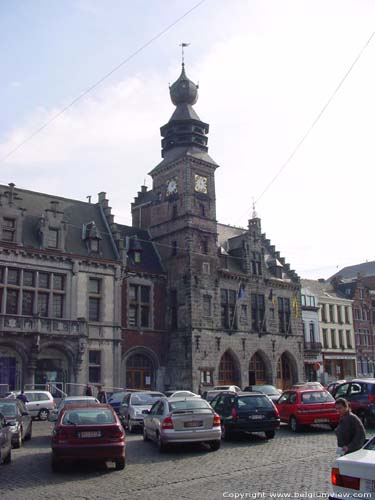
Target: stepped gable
70,215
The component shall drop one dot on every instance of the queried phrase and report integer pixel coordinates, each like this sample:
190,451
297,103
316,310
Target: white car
233,388
181,394
72,400
353,475
40,403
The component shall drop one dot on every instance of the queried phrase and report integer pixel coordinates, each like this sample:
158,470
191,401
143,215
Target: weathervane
183,45
254,212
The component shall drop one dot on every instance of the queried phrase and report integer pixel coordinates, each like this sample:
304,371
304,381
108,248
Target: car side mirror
10,423
52,417
146,412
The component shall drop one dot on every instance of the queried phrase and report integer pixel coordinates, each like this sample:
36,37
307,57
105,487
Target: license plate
196,423
90,434
256,417
321,420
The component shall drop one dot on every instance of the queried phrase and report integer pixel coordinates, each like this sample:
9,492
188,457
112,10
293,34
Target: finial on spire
254,211
183,45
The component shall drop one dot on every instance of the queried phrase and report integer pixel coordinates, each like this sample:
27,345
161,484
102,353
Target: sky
266,71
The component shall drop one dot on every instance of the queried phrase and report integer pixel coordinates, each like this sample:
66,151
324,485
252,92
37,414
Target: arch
260,370
139,368
287,370
54,365
229,369
13,364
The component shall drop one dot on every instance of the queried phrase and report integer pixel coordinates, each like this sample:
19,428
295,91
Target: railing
313,346
13,323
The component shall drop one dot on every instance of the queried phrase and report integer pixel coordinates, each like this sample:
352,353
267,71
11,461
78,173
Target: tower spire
183,45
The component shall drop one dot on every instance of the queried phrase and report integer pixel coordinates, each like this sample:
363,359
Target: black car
18,420
246,412
361,395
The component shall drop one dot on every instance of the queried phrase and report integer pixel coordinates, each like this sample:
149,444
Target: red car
88,433
306,407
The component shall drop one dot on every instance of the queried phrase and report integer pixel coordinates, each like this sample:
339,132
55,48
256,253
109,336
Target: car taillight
117,433
59,434
234,414
167,423
217,421
277,414
345,481
371,398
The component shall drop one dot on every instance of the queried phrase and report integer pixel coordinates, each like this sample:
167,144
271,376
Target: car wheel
225,433
56,465
120,463
130,427
214,445
18,442
270,434
145,436
28,435
8,458
161,444
293,424
43,414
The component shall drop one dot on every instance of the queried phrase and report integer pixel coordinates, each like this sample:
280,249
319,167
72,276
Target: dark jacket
102,397
22,398
350,432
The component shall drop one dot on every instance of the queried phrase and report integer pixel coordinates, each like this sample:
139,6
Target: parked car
307,407
5,441
210,395
233,388
307,385
91,433
332,386
270,390
246,412
116,399
361,395
182,420
18,420
181,394
352,475
71,400
40,404
134,403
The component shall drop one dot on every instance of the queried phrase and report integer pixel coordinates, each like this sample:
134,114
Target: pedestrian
88,390
351,434
22,397
102,395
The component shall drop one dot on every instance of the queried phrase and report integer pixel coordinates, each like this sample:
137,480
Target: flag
184,44
295,306
271,297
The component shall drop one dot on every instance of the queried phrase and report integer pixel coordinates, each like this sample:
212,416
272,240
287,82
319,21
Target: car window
341,390
354,389
316,397
292,398
157,409
40,396
144,399
116,397
253,402
8,409
284,398
2,422
31,396
184,405
267,389
88,416
218,402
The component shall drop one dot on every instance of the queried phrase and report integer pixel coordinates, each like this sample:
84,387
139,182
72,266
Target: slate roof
176,153
365,269
322,289
76,214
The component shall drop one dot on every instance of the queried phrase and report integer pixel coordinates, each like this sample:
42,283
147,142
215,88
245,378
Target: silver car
40,404
72,400
5,441
182,420
133,405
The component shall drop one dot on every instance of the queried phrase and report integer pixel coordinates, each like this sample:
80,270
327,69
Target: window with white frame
139,312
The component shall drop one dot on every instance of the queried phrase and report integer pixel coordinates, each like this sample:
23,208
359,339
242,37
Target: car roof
184,398
88,398
318,389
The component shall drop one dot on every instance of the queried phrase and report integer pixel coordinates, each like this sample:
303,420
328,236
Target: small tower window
202,210
174,211
9,229
53,238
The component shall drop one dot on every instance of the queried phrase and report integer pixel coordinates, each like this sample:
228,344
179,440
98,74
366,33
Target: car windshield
267,389
8,409
316,397
117,397
88,416
253,402
144,399
199,404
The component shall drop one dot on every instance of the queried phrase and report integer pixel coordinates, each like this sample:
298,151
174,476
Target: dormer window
53,238
92,237
94,246
137,256
9,229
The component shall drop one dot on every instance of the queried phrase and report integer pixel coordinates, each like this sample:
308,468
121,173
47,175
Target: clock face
200,184
171,187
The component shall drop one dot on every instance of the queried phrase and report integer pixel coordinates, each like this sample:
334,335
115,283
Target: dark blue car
116,399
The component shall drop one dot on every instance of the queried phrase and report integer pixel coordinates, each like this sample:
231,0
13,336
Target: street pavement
289,466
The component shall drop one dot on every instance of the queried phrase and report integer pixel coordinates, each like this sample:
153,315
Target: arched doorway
228,370
139,372
286,371
52,368
257,370
11,369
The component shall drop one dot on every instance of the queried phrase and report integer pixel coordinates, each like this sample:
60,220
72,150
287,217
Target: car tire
145,436
270,434
130,427
43,414
293,424
225,433
120,463
18,443
161,444
8,458
29,434
56,465
214,445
